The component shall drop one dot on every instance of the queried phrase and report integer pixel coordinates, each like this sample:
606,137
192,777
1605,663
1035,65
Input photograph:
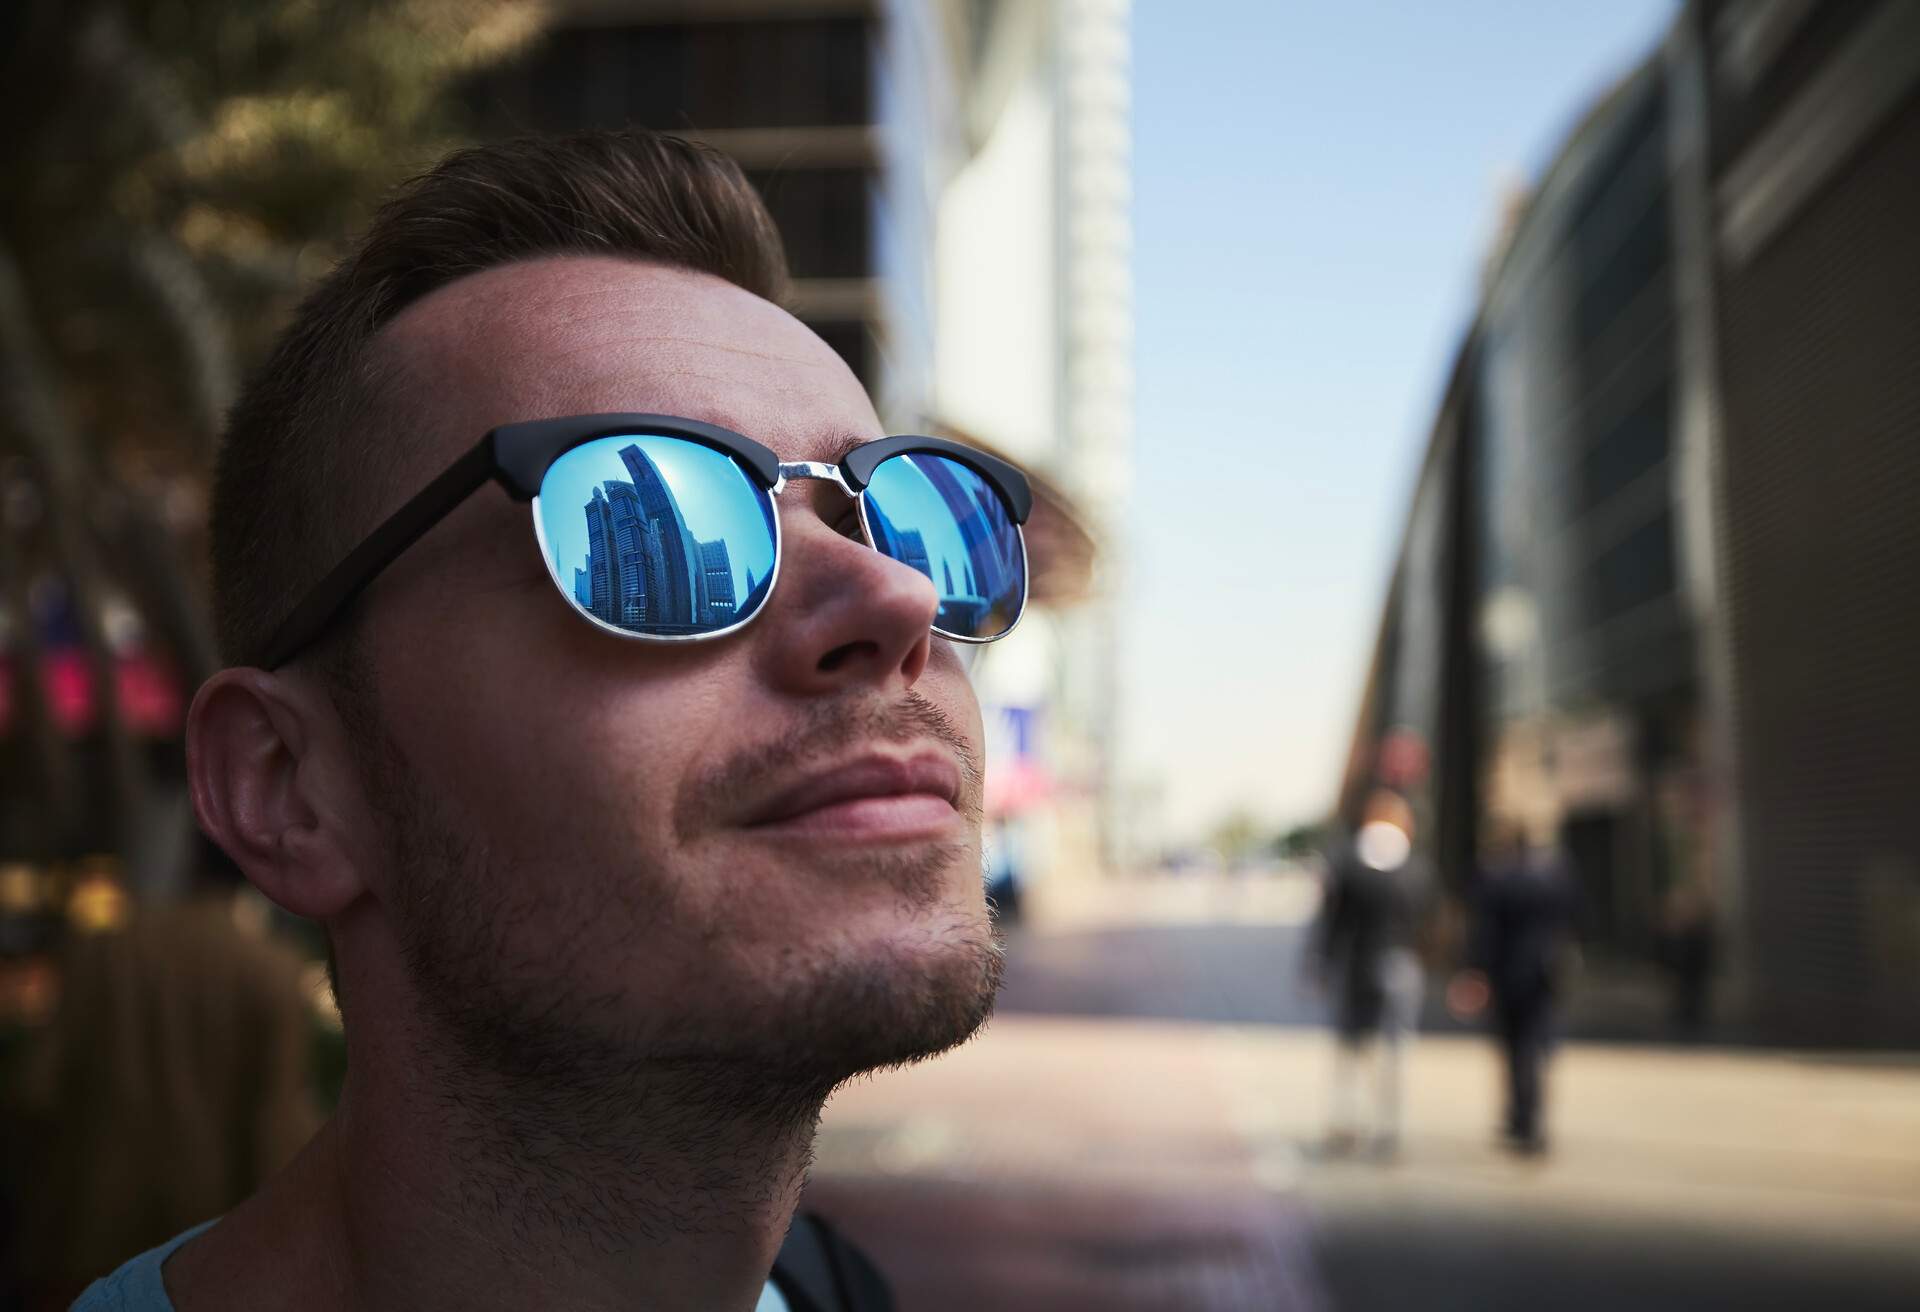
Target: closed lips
925,775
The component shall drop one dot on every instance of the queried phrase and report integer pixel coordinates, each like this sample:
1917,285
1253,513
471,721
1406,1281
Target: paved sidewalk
1120,1164
1284,894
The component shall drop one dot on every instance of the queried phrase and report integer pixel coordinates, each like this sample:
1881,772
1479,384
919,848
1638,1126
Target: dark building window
825,216
565,85
1636,570
1643,121
1617,231
702,76
1636,444
1611,285
804,72
1742,112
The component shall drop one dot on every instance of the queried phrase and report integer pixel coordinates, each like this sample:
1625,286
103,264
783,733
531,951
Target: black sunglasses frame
517,457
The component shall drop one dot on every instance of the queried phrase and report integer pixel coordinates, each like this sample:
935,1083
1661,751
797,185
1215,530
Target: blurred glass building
1653,602
951,180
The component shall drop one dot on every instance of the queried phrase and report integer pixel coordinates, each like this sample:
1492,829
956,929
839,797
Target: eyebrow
843,444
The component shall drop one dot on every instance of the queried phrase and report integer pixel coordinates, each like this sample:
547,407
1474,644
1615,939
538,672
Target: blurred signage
1016,779
1404,758
150,696
72,694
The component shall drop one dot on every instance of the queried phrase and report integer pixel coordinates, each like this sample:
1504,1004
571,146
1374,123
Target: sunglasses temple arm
407,525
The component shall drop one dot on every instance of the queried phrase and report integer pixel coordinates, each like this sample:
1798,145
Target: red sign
71,692
1404,758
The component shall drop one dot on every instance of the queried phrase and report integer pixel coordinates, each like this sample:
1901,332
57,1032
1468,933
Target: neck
657,1186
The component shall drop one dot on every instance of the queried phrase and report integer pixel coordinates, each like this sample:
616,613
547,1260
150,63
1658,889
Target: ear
271,784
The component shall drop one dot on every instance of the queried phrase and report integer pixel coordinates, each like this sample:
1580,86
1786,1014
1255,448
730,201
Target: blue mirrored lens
658,535
948,522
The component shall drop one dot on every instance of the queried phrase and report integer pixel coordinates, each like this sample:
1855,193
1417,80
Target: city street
1229,949
1460,457
1120,1159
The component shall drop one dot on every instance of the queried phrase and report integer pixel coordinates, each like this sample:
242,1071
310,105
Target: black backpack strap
819,1270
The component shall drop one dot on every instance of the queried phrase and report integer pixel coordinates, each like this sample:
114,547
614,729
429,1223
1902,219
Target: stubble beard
515,1026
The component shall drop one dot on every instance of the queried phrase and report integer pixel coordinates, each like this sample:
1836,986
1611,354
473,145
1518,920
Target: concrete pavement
1066,1163
1229,949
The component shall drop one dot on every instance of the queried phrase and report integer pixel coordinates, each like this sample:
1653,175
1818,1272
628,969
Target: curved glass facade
1645,610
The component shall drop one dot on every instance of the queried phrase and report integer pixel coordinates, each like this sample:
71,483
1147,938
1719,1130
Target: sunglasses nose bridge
812,469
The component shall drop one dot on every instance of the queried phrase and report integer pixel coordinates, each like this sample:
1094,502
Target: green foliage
177,172
1301,842
1236,836
179,169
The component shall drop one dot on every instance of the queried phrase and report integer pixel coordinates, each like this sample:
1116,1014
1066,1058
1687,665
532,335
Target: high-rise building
1633,614
986,543
910,548
603,557
839,111
636,537
716,567
673,584
1033,355
629,532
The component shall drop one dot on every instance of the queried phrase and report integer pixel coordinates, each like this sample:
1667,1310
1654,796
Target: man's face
592,848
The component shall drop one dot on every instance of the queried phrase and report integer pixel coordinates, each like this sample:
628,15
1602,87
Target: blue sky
1314,187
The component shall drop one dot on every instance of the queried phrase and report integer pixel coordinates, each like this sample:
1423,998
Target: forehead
588,335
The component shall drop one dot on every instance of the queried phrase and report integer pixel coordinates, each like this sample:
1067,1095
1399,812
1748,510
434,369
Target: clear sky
1314,187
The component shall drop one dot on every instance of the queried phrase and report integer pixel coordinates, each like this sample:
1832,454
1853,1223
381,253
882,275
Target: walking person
1687,949
1377,897
1524,912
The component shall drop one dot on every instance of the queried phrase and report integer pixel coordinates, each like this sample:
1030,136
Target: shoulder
136,1286
821,1270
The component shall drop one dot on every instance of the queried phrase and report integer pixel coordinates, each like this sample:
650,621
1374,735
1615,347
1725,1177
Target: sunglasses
664,530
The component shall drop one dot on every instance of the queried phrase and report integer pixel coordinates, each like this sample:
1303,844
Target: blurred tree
1235,837
1301,841
177,172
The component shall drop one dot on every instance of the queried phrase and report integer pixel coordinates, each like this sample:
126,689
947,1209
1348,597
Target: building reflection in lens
646,567
946,521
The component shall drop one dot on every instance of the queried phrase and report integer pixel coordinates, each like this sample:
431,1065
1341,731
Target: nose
844,617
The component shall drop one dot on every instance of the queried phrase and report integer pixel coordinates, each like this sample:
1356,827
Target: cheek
556,761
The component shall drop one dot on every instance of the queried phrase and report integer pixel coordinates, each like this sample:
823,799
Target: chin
785,982
884,990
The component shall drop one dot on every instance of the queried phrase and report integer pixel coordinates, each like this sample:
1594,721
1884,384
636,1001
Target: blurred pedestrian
1525,908
1687,947
1365,951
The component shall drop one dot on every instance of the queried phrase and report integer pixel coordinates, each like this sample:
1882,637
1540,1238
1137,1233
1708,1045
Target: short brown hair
290,484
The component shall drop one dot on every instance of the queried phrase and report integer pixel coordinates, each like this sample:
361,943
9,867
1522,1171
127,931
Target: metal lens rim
762,491
1019,531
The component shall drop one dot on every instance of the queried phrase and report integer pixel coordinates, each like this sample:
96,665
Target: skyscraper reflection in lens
946,521
642,563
